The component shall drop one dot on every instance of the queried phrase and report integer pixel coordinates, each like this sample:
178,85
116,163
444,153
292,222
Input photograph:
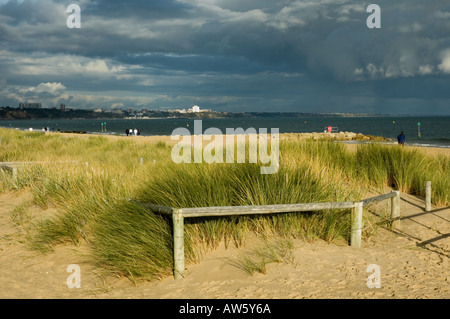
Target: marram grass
93,206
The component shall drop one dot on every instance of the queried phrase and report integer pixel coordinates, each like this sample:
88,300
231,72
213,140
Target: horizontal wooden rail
262,209
178,215
379,198
166,210
40,162
12,166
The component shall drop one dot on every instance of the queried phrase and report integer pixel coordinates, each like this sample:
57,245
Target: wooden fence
178,215
13,166
236,210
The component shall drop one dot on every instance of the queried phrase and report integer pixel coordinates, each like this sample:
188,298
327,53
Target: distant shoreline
435,131
342,137
12,114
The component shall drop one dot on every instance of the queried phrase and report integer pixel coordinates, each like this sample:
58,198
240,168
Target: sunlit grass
90,180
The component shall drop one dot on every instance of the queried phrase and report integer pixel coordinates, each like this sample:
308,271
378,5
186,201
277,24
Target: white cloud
442,14
53,88
42,89
425,69
347,9
413,27
295,14
358,71
373,71
445,64
117,105
47,93
63,66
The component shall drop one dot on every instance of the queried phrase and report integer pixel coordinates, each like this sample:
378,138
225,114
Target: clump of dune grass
131,241
205,185
404,169
213,185
21,215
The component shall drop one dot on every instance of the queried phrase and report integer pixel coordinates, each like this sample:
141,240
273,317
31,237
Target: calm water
434,130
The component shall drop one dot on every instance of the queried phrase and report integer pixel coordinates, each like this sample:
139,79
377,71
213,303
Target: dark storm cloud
254,54
29,12
138,9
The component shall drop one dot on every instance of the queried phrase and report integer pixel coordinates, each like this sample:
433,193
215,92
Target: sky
228,55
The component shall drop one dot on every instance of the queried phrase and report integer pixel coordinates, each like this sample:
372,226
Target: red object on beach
330,129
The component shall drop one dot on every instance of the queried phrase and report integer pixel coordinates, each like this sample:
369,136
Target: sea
420,131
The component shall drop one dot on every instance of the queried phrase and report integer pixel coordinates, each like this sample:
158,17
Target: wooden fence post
356,230
428,196
178,244
395,210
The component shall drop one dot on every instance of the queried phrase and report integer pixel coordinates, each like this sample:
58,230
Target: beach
238,151
350,139
413,261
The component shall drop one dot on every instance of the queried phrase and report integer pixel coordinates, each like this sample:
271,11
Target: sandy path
414,263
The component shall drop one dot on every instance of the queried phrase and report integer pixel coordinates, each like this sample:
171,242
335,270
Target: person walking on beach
127,131
401,139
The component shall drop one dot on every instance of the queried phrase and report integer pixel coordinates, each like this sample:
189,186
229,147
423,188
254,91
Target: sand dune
413,261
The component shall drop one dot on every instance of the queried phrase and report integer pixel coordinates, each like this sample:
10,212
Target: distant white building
195,109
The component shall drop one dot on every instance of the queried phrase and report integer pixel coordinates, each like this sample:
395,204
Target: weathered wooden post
10,168
14,173
141,160
178,243
356,230
428,196
395,210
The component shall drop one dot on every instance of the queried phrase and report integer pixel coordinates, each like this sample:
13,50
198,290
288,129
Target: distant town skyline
227,55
